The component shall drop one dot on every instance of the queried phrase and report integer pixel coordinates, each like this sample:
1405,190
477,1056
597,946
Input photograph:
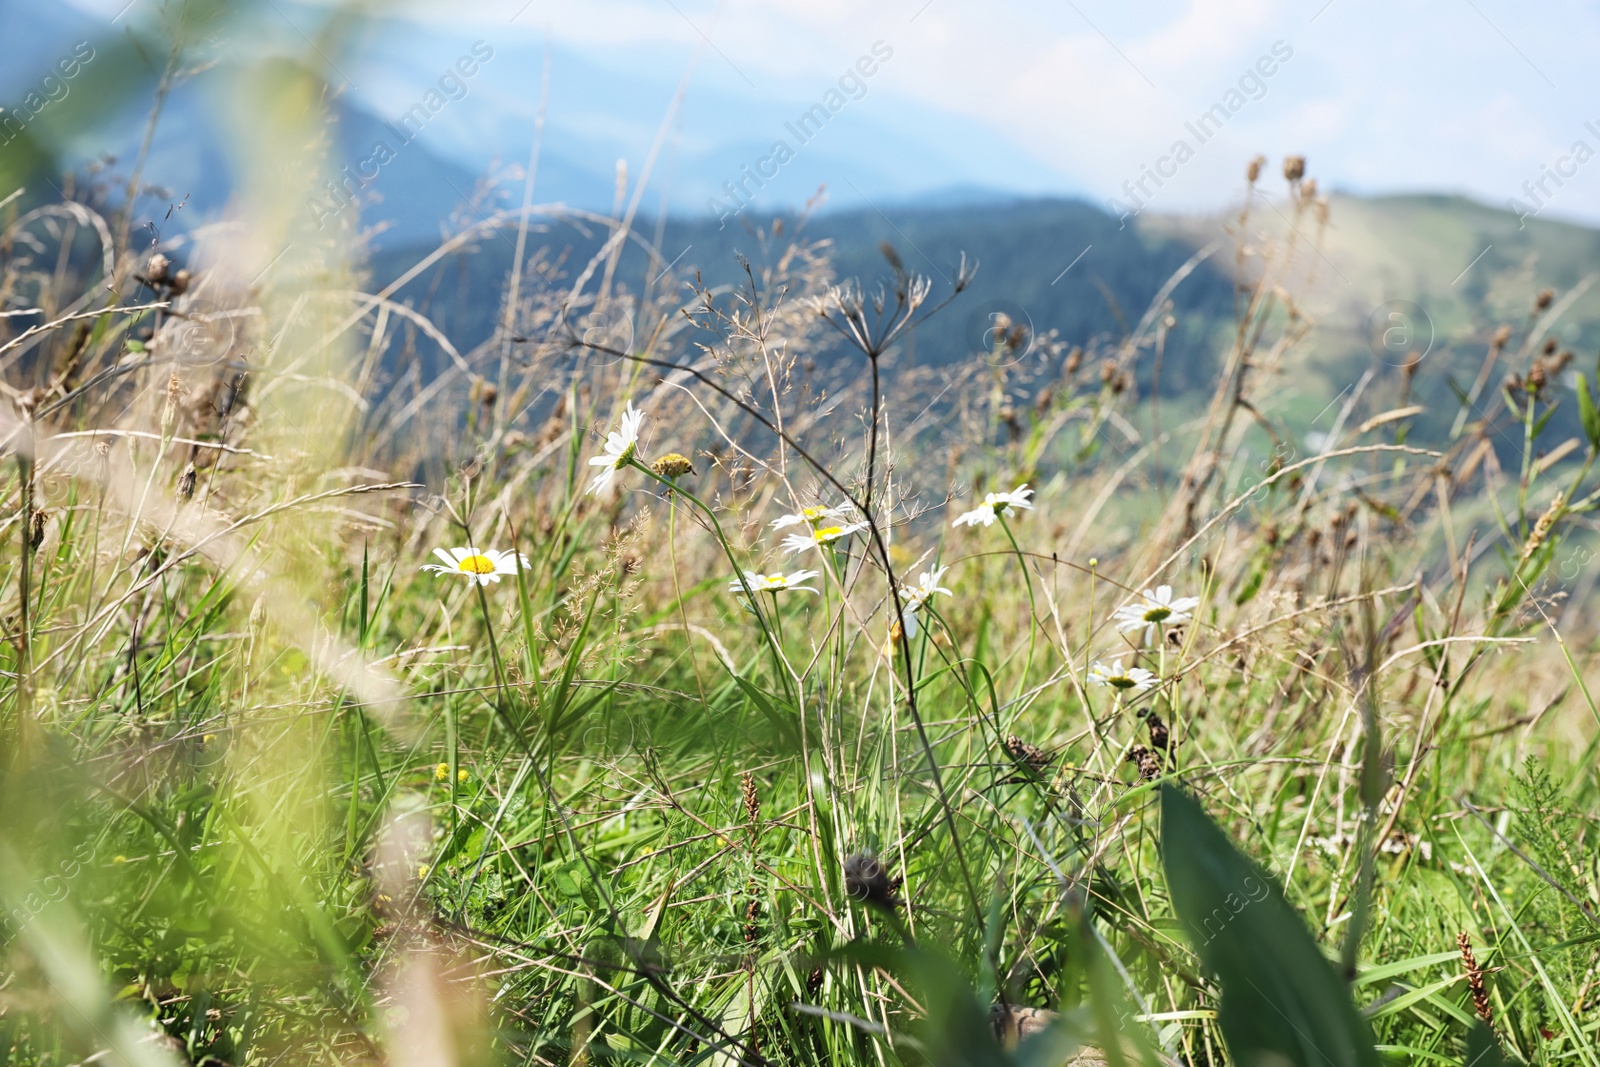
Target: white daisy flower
996,504
913,599
483,565
1157,609
813,516
820,535
619,449
927,585
1135,678
772,583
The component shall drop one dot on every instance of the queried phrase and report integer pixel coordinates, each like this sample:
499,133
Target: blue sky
1072,97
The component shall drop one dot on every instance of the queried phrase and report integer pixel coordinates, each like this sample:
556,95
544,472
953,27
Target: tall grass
274,794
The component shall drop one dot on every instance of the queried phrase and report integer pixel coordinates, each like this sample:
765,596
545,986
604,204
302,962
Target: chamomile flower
619,449
1154,611
820,535
1135,678
915,598
483,565
927,585
813,516
773,583
996,504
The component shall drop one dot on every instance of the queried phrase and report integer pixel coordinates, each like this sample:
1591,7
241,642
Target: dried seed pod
866,879
1031,756
186,482
1160,736
158,269
1294,168
1545,298
1253,172
1502,337
1148,762
1012,1024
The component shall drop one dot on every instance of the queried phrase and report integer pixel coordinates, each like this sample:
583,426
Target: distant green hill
1067,266
1467,269
1023,250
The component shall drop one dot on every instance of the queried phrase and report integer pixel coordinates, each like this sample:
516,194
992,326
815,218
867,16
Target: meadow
685,674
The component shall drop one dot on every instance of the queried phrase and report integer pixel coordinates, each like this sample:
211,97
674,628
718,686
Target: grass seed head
752,799
1474,973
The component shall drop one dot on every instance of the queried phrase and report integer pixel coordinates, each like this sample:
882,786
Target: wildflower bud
1502,337
672,466
186,482
1545,298
1108,371
1294,168
158,270
1538,376
36,530
1549,348
258,614
180,282
487,395
1253,172
1074,360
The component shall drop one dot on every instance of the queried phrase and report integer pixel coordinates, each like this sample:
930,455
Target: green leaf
1586,411
1281,999
782,721
1482,1048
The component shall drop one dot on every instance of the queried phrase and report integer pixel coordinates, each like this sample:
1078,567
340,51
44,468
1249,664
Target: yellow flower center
813,514
1157,614
828,533
477,565
1121,681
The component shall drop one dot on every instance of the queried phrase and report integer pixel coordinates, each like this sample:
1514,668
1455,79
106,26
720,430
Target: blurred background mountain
886,174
